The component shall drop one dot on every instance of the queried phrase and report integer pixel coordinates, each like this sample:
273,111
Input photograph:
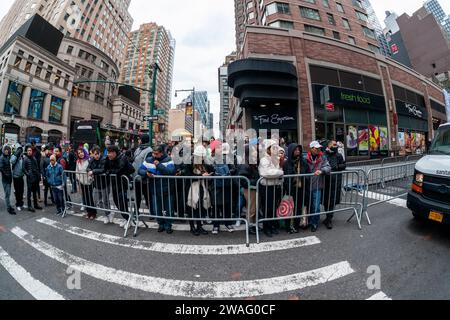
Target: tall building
201,104
391,23
376,25
225,93
312,70
102,23
149,45
434,7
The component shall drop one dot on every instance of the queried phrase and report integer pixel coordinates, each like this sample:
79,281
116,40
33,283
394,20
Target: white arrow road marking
190,289
181,248
34,287
379,296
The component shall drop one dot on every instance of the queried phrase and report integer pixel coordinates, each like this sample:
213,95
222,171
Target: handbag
286,207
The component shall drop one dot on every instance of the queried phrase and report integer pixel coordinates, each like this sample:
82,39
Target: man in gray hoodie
18,176
7,178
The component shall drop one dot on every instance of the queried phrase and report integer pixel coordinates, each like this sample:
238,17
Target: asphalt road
37,249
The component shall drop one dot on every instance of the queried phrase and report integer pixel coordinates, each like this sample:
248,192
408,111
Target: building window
351,40
36,104
310,13
358,3
69,50
316,30
17,62
56,110
14,98
282,24
339,7
374,48
326,3
362,16
331,20
369,32
28,66
277,7
336,35
346,24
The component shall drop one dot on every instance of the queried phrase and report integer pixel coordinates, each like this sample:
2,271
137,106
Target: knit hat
268,143
145,139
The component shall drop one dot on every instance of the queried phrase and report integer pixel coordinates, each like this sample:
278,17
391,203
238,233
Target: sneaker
38,208
31,210
195,232
106,220
111,218
19,209
202,231
216,231
161,229
229,228
123,223
314,228
169,230
329,224
238,224
83,209
11,211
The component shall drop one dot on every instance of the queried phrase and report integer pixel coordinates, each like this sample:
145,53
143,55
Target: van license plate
436,216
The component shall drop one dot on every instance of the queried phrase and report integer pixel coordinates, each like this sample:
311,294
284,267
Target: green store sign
350,97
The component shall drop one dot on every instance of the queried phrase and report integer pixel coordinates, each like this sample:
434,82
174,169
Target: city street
36,251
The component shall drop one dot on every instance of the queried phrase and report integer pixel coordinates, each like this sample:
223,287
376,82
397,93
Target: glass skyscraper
376,25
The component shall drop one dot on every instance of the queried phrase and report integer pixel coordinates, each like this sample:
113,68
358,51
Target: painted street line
190,289
186,249
379,296
34,287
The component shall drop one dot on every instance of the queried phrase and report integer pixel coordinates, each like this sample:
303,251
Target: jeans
314,207
58,197
19,188
163,206
32,190
7,189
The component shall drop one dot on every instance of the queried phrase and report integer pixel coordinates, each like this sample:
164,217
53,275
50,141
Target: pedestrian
318,165
141,153
119,172
37,154
96,170
295,186
45,162
18,174
54,176
333,183
7,176
62,160
86,183
270,189
249,169
155,168
222,190
72,167
198,196
31,170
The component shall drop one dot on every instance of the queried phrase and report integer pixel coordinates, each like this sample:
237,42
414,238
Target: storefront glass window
56,110
36,104
14,98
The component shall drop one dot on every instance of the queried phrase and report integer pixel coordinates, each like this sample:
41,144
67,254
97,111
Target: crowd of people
271,169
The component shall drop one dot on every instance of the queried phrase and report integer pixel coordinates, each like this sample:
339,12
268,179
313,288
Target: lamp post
156,68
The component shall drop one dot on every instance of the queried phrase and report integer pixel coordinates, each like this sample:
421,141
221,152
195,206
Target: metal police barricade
387,183
300,200
194,199
365,165
414,158
393,160
96,194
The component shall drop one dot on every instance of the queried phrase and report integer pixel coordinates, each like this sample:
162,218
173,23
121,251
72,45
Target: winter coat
333,183
119,168
31,169
54,175
294,167
82,176
166,167
45,162
98,169
250,172
197,189
320,163
17,164
5,166
140,155
71,162
270,170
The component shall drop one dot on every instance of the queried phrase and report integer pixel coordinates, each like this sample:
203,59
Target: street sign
151,118
159,112
330,106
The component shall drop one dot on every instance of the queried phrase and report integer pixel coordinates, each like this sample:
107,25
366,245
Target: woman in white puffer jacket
270,186
87,188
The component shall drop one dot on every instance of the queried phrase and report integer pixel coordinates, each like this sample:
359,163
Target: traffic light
75,91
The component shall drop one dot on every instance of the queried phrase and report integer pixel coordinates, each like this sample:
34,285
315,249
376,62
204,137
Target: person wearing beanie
18,174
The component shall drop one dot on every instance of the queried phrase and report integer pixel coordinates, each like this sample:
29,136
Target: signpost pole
153,100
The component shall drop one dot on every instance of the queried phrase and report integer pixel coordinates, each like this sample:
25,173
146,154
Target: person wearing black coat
45,162
295,186
7,176
119,171
72,167
31,170
249,169
96,169
333,183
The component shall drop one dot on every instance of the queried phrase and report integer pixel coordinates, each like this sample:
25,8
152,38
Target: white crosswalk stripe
34,287
190,289
182,248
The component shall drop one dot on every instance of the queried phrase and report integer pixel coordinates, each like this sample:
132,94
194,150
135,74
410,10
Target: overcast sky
204,31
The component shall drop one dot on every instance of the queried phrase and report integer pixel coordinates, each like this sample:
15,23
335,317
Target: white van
430,195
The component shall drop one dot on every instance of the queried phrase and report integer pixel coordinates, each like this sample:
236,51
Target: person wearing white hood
270,189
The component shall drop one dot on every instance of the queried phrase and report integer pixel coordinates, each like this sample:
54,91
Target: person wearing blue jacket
54,175
161,190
